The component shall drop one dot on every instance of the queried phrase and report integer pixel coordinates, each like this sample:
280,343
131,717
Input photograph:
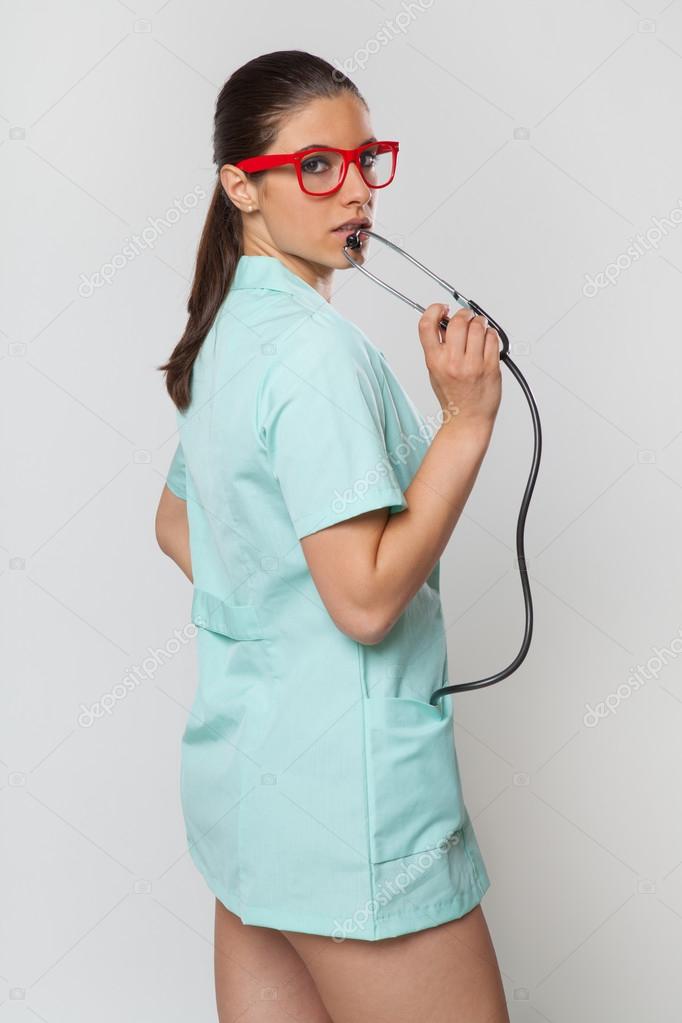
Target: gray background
539,141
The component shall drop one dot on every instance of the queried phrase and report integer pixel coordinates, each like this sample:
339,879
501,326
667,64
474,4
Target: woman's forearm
414,539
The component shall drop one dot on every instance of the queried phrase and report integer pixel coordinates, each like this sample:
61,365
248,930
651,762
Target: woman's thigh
259,976
443,974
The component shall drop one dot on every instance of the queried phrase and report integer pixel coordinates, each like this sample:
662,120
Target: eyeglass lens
322,170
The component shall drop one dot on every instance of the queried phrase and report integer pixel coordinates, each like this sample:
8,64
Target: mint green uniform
320,789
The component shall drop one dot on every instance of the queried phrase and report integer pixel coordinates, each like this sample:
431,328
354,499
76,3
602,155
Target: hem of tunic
390,925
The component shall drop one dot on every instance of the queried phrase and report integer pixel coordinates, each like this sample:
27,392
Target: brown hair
252,106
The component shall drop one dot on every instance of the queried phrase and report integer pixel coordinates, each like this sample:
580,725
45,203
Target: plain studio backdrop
539,172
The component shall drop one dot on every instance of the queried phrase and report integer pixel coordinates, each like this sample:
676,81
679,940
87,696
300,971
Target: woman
309,507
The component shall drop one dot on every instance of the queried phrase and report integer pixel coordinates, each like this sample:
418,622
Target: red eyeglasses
323,170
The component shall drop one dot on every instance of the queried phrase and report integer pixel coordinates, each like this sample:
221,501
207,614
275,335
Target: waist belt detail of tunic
238,621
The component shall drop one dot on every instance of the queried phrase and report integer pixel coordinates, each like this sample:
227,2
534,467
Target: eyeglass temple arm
464,302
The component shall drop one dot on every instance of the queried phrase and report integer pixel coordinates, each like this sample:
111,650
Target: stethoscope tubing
537,448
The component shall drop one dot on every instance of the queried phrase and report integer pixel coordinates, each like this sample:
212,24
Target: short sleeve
321,421
176,478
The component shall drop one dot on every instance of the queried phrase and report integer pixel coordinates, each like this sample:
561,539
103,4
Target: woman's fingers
464,367
432,335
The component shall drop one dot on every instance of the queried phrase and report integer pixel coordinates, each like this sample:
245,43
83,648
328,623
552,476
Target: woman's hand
464,370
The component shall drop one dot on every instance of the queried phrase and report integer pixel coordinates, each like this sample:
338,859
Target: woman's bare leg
444,974
259,976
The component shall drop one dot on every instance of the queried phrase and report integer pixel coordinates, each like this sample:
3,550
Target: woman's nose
357,185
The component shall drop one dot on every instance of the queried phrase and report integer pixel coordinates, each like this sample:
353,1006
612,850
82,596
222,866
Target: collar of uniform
270,273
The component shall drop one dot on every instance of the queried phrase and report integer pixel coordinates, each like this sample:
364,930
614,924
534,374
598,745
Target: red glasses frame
257,163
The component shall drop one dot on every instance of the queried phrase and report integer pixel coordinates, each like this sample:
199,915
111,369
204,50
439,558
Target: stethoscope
353,242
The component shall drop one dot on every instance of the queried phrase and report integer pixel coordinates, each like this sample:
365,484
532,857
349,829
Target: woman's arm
367,568
172,530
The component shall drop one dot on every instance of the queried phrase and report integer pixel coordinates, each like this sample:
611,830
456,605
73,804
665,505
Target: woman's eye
309,168
368,159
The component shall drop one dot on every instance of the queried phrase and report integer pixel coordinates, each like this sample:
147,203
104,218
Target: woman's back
313,767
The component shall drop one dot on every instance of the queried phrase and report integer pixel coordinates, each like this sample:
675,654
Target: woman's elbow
364,627
163,530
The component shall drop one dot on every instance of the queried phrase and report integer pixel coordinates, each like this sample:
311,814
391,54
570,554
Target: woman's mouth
347,229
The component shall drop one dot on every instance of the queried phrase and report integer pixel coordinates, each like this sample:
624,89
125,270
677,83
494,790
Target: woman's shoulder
301,336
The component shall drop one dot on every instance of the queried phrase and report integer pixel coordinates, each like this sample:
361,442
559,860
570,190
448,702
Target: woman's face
290,224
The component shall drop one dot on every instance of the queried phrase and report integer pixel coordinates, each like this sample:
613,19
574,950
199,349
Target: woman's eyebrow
325,145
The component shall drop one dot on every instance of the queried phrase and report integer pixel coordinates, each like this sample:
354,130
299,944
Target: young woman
309,507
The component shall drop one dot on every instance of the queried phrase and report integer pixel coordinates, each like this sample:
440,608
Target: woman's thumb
429,320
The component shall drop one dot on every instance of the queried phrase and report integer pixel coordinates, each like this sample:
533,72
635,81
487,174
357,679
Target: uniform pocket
238,621
414,793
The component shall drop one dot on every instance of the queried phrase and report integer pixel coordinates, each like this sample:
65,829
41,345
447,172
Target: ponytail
217,258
